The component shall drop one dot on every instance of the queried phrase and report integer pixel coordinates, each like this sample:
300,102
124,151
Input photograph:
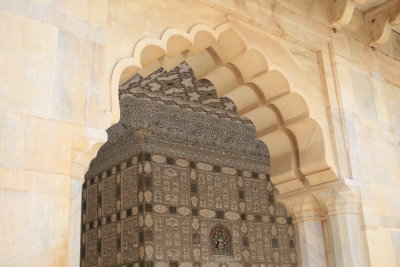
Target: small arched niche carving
221,241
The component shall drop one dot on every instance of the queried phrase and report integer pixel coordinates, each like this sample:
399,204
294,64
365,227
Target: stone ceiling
381,17
369,4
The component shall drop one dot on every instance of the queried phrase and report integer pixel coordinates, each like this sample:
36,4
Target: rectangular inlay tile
129,188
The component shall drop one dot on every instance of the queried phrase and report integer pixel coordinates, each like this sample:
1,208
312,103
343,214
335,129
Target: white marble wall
50,86
346,241
74,230
312,243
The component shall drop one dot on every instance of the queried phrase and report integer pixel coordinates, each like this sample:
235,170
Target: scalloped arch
260,91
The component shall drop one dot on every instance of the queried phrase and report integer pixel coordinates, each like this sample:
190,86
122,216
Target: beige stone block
391,47
392,100
341,46
363,54
381,105
305,57
396,245
315,9
381,249
76,8
43,2
364,95
389,69
346,85
370,166
11,140
34,229
250,63
201,63
98,84
47,146
392,194
71,82
93,106
27,64
34,181
98,13
356,27
349,250
264,119
74,230
385,200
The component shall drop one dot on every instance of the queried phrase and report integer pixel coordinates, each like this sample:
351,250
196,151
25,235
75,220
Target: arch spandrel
306,84
224,64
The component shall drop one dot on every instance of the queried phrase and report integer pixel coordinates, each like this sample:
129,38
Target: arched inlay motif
221,241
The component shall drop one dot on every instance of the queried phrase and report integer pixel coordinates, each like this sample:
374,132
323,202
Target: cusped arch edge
233,65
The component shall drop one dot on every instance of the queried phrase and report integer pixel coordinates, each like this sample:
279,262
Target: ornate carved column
307,214
342,205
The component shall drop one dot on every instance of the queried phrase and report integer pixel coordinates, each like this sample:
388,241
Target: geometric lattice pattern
180,83
153,209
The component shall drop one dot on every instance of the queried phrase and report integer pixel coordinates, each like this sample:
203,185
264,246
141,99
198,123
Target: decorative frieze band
319,202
